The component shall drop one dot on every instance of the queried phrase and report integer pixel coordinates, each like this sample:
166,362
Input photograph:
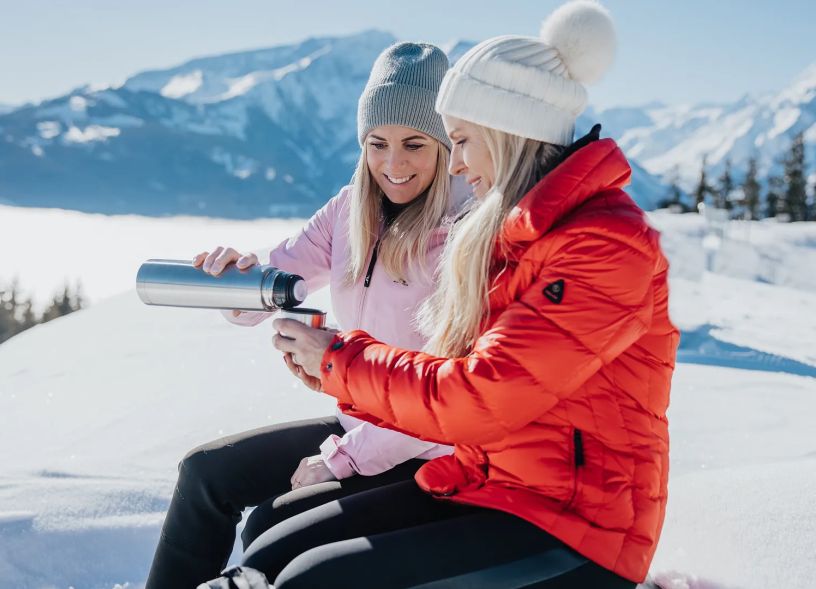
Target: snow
182,85
90,134
99,406
48,129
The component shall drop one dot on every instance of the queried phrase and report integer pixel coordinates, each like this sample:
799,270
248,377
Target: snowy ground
96,408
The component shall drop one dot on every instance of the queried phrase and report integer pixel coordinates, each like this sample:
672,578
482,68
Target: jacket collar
591,166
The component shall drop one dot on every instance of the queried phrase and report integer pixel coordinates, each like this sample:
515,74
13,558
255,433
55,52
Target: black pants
218,480
397,536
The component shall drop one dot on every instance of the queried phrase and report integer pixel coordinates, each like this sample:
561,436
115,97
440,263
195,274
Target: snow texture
98,407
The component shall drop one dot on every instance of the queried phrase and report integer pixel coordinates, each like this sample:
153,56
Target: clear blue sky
670,50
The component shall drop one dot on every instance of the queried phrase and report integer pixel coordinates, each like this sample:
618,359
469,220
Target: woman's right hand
310,381
215,262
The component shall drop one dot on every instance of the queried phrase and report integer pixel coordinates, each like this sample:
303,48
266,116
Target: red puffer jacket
558,413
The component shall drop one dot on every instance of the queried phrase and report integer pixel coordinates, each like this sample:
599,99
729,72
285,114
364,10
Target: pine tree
725,186
775,198
9,310
795,180
63,304
27,318
702,187
751,188
8,325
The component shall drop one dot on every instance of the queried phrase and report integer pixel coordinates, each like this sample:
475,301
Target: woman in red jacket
549,362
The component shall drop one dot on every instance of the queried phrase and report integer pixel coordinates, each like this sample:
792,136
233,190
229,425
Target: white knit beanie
533,87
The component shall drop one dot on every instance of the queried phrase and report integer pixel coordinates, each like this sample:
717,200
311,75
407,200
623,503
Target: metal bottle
177,283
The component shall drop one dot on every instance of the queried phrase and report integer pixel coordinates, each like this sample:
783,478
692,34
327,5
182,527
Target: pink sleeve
308,254
370,450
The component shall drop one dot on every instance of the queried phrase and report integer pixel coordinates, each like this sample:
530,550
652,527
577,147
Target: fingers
227,256
284,344
199,259
290,328
290,364
247,261
208,261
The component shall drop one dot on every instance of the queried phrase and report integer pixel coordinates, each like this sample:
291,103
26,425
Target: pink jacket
385,309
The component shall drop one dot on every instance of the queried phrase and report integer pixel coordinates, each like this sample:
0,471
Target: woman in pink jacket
376,246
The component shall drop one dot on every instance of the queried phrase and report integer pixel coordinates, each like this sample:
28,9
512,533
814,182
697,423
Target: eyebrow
453,132
411,138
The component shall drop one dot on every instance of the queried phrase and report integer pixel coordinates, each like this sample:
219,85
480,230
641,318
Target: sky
674,52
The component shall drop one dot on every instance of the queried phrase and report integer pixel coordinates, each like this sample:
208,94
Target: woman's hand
305,344
310,381
310,471
215,262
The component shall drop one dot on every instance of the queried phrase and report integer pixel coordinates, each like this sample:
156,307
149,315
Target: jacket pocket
577,445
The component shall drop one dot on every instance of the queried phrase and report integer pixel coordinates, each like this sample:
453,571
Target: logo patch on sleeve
555,291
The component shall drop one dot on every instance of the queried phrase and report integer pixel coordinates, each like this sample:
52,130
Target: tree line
785,195
17,313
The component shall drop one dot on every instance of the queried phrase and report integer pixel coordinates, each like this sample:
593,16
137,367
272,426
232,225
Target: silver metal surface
177,283
312,317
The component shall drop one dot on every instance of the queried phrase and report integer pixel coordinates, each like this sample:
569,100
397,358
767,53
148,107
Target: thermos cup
177,283
312,317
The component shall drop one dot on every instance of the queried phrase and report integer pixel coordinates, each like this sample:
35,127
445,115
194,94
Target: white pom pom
584,35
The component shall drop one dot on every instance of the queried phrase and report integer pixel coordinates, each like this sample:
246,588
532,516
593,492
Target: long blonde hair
453,316
404,244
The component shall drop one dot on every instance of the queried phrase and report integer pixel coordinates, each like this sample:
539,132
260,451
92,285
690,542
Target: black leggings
397,536
218,480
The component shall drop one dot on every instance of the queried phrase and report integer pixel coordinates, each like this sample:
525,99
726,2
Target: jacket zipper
367,282
373,261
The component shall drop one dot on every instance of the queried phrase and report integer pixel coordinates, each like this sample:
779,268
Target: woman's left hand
306,344
311,471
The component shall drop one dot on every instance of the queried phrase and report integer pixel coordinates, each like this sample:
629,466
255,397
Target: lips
398,181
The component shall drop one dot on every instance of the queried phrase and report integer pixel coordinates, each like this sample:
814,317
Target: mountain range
271,132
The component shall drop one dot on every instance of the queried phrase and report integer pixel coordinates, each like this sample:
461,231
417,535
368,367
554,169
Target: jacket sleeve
536,353
308,254
370,450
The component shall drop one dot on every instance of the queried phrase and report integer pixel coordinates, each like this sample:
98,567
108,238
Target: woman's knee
329,565
204,466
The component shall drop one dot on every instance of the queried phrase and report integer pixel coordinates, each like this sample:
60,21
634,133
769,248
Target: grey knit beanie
402,90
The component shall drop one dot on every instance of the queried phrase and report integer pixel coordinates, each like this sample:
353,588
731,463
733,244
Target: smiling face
401,160
470,156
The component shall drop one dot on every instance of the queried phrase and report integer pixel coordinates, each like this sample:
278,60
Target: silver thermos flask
177,283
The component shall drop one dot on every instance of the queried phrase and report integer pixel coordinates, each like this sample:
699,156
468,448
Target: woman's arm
369,450
308,254
537,352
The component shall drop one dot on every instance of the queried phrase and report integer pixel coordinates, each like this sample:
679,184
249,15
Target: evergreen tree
775,198
703,188
725,186
750,189
8,325
795,179
63,303
10,309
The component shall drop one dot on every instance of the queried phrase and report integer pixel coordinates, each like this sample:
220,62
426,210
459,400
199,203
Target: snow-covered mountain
664,138
269,132
260,133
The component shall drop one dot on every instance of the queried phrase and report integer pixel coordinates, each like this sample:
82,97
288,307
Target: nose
456,166
396,160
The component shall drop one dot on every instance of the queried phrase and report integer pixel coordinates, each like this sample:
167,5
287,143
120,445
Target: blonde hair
453,316
404,244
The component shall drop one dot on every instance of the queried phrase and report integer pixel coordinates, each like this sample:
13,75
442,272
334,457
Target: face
401,160
470,156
